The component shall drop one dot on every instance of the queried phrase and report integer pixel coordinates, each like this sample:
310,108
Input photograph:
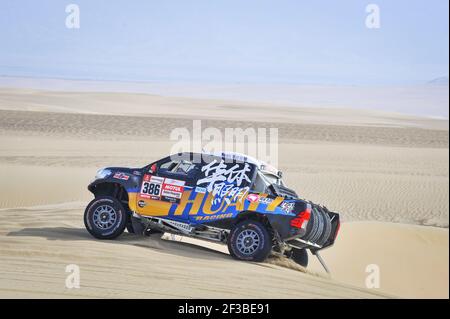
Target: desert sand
386,173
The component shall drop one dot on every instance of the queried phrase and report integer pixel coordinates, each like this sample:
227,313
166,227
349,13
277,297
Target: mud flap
138,227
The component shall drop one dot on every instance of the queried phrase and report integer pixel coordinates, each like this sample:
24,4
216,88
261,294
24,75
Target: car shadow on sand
153,242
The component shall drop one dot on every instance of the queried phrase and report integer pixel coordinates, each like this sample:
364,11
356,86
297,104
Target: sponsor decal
213,217
174,182
228,193
224,180
167,189
141,203
201,190
287,207
219,172
137,173
265,200
252,197
173,190
122,176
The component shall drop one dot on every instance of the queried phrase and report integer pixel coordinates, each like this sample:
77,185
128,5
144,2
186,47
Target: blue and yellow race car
227,198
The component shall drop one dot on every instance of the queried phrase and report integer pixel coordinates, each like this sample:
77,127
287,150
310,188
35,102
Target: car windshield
271,178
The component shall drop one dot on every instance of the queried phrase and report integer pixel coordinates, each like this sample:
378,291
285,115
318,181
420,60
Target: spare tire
327,227
319,226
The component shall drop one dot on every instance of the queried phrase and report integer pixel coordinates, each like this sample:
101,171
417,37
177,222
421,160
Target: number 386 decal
151,186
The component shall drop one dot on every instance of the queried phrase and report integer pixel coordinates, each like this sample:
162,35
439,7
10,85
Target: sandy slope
369,166
37,244
412,260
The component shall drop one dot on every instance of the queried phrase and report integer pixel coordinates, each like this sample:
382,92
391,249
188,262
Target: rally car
227,198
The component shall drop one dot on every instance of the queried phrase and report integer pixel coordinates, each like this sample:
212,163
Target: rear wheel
249,240
105,217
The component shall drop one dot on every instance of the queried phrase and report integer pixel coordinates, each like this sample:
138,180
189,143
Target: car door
163,187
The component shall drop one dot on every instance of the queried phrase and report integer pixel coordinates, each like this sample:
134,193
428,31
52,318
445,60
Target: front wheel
249,240
105,217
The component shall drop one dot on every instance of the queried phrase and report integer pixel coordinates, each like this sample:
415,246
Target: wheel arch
252,215
112,189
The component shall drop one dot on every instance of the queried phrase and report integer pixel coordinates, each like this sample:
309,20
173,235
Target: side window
184,167
168,166
179,168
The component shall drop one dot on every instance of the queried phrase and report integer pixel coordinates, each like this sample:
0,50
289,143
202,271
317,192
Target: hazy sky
322,42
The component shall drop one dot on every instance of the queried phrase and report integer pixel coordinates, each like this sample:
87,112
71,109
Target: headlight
103,173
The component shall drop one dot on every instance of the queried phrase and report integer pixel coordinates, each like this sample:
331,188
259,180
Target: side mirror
153,168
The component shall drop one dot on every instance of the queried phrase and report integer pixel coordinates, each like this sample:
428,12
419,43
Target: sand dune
139,104
36,245
412,260
385,173
109,127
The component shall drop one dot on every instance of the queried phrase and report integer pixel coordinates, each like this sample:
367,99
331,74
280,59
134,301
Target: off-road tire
105,217
252,233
